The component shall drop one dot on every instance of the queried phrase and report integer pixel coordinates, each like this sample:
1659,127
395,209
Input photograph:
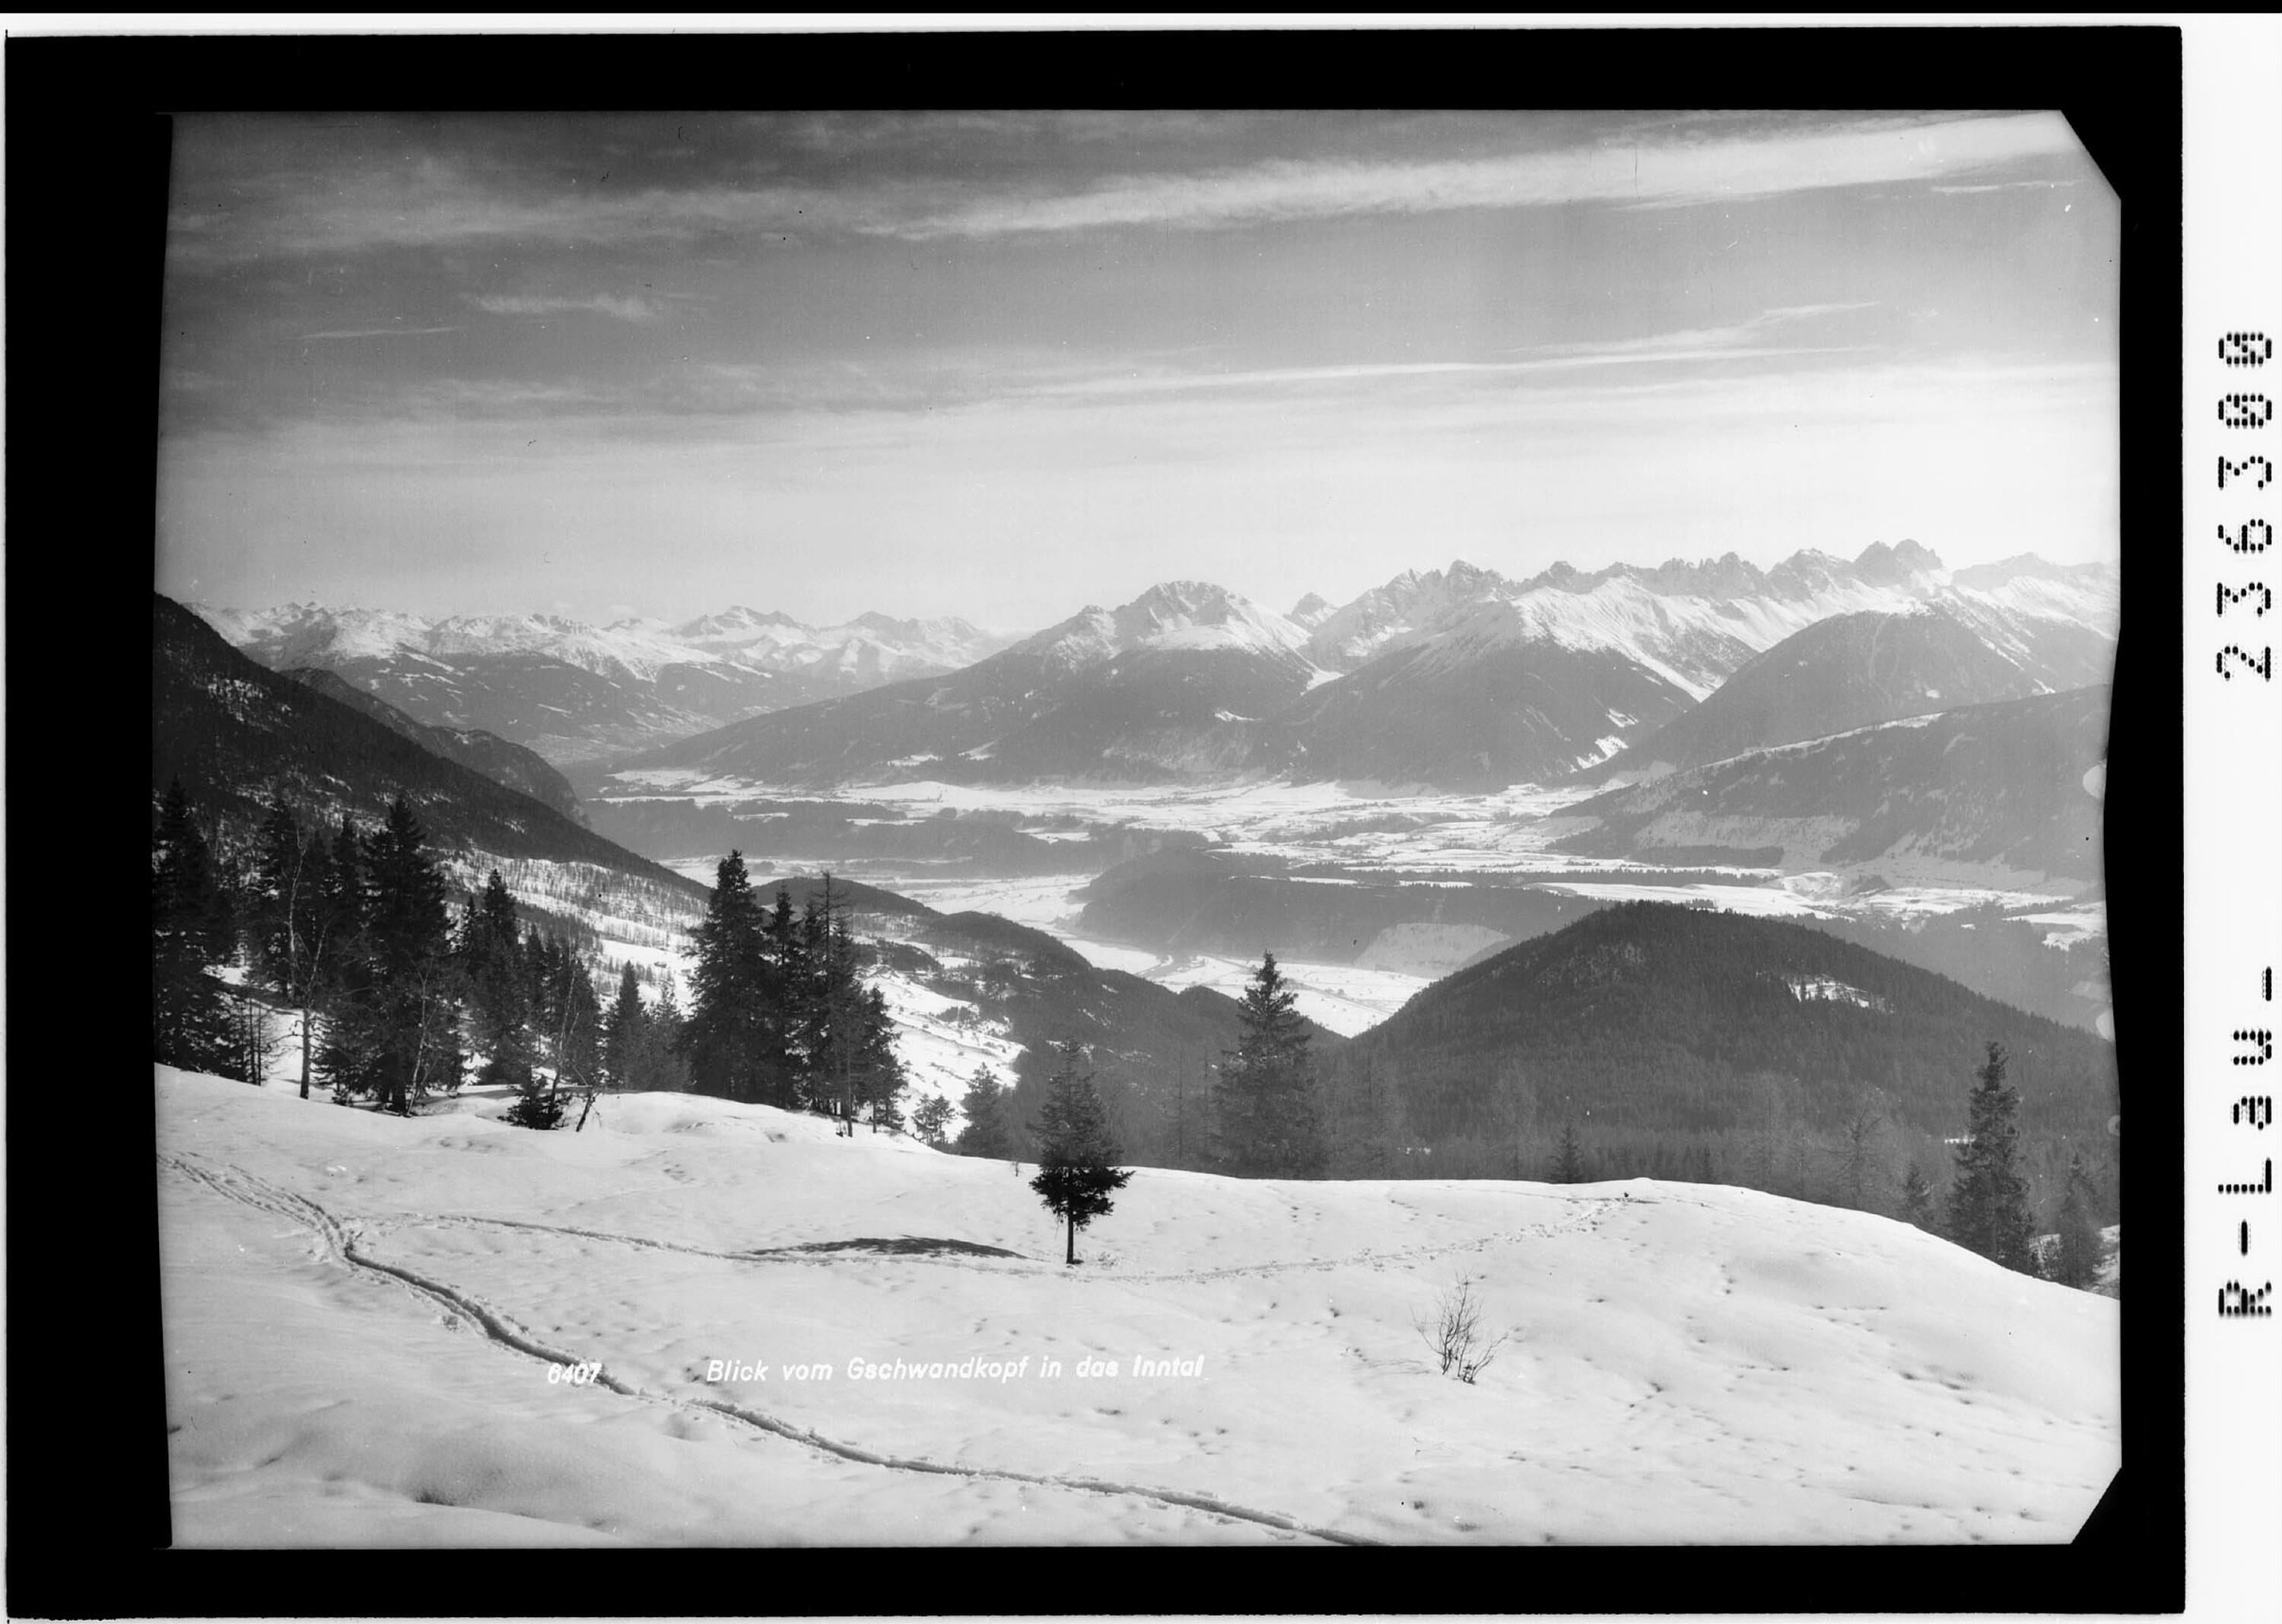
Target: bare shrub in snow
1455,1335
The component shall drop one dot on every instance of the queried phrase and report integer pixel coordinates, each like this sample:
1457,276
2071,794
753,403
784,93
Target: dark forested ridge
501,760
235,733
1655,1016
2012,785
1847,672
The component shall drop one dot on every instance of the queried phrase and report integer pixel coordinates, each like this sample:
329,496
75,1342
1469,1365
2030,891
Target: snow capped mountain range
309,634
1454,676
575,692
1694,625
1194,616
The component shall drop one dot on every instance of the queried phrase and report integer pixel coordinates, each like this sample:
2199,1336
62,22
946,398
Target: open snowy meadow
699,1322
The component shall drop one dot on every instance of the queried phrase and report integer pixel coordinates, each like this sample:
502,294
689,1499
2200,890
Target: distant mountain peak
1900,564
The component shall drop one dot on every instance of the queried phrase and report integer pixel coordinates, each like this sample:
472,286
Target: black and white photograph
1154,826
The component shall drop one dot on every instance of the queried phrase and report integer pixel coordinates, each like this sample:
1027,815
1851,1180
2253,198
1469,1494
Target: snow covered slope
361,1316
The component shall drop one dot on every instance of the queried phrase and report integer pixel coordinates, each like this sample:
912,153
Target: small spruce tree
1075,1149
931,1119
1989,1201
989,1129
1917,1198
1569,1169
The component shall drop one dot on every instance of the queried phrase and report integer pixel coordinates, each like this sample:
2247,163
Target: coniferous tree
828,1038
1989,1201
349,1056
499,988
571,1041
1270,1120
291,919
190,1023
1569,1169
621,1028
878,1069
990,1128
1917,1198
1075,1178
2075,1260
725,1037
538,1104
415,982
932,1120
567,1030
1861,1173
652,1061
782,977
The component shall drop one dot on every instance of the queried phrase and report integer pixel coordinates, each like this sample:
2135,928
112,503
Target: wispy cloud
1656,175
625,308
1748,340
437,203
377,332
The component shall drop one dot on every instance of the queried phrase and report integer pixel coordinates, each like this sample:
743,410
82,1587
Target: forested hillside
1663,1032
237,734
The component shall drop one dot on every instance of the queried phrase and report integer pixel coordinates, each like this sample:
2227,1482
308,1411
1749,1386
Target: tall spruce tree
825,1034
1269,1118
292,922
415,979
1075,1178
623,1029
840,1032
348,1055
726,1037
878,1069
499,988
571,1016
1988,1200
783,975
191,1024
2075,1260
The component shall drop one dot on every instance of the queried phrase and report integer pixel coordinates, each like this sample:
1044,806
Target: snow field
1687,1363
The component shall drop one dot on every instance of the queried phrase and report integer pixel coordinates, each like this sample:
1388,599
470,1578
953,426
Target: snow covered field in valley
361,1314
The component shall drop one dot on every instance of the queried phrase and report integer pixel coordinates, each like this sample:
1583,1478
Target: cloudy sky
1004,365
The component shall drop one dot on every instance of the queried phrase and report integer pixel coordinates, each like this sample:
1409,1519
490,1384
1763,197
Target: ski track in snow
1587,1220
339,1243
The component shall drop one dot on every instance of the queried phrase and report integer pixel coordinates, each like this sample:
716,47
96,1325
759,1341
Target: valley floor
361,1313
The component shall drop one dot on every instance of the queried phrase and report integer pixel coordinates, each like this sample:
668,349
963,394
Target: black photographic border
85,194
